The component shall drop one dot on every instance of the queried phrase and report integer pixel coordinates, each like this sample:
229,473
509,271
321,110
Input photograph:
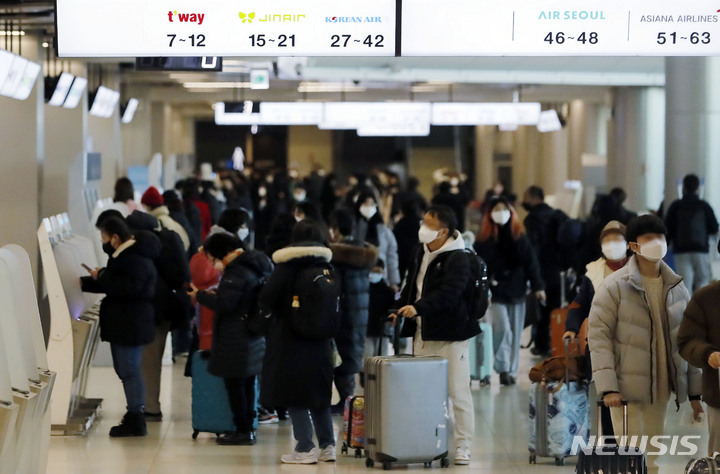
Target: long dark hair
124,190
308,230
376,220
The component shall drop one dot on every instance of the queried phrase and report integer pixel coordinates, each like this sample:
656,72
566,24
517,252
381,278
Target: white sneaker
328,454
301,458
462,456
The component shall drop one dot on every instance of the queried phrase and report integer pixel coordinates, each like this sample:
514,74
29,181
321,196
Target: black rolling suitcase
611,459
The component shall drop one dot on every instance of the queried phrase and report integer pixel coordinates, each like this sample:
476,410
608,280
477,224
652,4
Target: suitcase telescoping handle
566,340
600,405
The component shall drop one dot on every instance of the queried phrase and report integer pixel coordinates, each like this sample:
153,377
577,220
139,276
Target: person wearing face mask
382,298
632,332
615,256
236,355
127,315
299,193
306,210
435,305
369,227
505,248
153,202
543,225
352,260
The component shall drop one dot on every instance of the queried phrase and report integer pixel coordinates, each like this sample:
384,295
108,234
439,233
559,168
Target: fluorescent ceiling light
76,93
130,110
310,87
549,122
12,33
216,85
291,113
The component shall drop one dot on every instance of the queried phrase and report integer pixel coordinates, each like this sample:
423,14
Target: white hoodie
455,242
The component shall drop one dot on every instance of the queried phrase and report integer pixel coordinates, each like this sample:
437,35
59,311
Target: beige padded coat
621,336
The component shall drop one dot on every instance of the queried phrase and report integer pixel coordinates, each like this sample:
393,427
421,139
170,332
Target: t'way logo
186,17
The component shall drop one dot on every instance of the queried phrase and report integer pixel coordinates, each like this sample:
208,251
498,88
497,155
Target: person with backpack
127,316
543,224
352,261
437,307
236,354
154,204
302,296
172,305
690,222
504,246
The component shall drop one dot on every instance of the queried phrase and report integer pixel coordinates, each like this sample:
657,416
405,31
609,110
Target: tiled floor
500,444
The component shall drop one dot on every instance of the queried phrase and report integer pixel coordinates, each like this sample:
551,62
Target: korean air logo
353,19
247,18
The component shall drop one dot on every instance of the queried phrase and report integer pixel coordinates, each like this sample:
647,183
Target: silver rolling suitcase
406,399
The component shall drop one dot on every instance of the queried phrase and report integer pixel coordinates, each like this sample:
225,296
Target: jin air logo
247,17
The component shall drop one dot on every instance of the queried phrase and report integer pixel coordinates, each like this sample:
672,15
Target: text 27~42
343,41
195,41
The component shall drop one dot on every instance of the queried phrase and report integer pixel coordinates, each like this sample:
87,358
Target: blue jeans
303,428
127,363
508,321
695,268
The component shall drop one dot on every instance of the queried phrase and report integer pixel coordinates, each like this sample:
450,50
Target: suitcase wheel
344,449
358,453
532,459
445,463
369,463
559,461
387,466
427,465
195,434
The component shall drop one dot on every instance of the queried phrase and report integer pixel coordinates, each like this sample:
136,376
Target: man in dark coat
172,306
436,306
543,225
353,261
127,319
446,197
298,372
406,234
236,354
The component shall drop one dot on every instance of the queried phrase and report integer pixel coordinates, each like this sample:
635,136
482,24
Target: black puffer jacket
235,351
690,221
127,315
444,303
543,226
353,261
297,372
511,264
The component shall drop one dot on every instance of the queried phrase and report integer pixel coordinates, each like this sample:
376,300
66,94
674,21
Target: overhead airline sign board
121,28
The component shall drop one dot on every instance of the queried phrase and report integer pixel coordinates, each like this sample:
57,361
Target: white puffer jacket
620,333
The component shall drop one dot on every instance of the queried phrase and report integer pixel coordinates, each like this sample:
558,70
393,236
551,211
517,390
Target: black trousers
241,393
541,330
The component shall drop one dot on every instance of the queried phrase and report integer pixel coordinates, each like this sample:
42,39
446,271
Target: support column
484,151
692,121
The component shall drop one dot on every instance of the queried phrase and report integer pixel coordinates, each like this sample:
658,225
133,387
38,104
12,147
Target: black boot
132,424
237,439
504,378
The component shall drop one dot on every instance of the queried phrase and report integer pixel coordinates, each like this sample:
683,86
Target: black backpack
479,285
692,227
316,302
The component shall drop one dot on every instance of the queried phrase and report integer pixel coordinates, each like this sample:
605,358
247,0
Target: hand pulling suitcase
481,355
354,426
210,406
611,459
558,413
407,413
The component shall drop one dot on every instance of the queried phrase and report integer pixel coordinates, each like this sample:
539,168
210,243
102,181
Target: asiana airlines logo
271,18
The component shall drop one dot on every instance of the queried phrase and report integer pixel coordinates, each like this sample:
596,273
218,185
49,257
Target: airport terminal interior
216,124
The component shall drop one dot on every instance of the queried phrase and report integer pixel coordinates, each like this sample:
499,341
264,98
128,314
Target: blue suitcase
210,406
481,355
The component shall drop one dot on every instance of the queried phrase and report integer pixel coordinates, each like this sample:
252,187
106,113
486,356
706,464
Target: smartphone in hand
89,270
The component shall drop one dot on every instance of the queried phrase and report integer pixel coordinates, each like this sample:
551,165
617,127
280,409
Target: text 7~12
195,41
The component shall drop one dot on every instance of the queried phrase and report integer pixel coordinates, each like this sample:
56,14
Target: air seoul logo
353,19
174,16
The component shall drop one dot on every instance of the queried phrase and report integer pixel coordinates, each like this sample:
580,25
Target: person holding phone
127,315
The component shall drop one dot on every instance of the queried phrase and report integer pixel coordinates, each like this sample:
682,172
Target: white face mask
501,217
219,266
262,192
368,211
243,232
615,250
376,277
654,250
298,218
427,235
300,197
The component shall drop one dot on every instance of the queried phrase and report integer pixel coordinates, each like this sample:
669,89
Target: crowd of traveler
218,264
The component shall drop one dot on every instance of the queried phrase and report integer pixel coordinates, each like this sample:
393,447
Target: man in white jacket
633,327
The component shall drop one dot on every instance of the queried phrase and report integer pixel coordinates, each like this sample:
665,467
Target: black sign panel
206,63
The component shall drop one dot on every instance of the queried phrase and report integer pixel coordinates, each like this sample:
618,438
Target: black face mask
526,206
108,248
